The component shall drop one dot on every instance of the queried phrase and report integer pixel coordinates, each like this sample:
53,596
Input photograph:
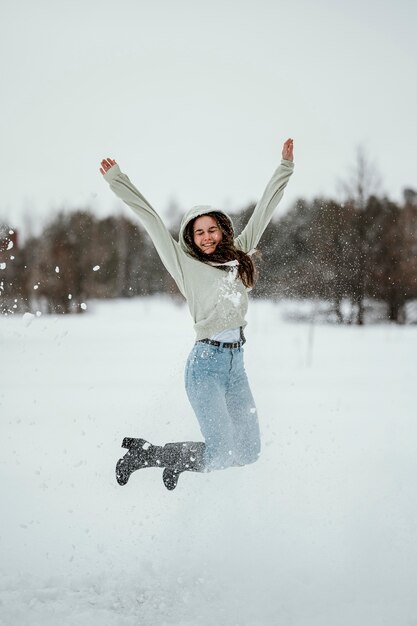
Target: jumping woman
214,272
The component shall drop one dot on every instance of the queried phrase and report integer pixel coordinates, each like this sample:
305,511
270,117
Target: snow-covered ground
322,531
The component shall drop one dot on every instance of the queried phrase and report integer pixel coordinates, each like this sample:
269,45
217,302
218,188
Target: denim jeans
218,389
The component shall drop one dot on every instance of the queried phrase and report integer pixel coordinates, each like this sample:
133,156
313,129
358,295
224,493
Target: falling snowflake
28,318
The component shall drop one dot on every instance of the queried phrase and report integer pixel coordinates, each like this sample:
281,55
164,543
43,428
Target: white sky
194,99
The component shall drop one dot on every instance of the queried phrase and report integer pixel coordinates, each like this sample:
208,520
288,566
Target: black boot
140,454
175,457
182,457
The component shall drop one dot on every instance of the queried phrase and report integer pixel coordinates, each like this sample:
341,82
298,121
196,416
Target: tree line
340,254
362,252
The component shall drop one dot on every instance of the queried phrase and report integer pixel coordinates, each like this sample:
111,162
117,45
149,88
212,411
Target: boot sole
125,466
170,478
121,476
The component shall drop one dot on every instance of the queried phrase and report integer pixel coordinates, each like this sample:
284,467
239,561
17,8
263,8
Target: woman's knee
249,454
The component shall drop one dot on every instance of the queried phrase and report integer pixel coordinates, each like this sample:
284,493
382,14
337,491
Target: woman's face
207,234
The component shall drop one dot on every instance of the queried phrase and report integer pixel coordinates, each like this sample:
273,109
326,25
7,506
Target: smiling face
207,234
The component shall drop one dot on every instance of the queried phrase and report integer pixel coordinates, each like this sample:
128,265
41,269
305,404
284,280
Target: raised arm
168,249
263,211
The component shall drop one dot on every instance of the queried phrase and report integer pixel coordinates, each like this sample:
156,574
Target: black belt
234,344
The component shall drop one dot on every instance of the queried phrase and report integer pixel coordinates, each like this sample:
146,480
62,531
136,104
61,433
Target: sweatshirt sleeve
262,213
168,249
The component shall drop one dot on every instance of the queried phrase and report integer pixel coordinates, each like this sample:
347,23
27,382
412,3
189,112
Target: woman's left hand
106,164
288,150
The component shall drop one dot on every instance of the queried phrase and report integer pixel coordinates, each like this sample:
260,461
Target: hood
196,211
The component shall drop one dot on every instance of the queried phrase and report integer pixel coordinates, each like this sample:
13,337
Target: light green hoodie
217,299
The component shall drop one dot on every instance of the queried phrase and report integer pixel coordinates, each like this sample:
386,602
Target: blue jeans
218,389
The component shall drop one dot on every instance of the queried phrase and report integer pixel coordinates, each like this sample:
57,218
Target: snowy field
322,531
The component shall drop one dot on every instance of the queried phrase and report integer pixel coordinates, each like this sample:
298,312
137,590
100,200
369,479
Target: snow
27,318
320,532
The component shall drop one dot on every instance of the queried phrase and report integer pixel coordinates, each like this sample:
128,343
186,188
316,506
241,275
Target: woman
214,272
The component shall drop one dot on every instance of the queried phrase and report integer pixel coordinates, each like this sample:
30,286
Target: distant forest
353,257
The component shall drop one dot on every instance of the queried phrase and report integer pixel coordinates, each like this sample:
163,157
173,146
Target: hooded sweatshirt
217,299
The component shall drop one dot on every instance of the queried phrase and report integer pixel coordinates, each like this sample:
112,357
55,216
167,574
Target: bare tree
363,182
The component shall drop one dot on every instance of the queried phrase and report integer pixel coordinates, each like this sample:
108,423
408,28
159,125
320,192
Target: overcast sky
194,99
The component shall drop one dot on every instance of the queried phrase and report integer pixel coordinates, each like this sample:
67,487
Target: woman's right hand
106,164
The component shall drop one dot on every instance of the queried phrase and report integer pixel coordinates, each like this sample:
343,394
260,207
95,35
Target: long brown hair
225,250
